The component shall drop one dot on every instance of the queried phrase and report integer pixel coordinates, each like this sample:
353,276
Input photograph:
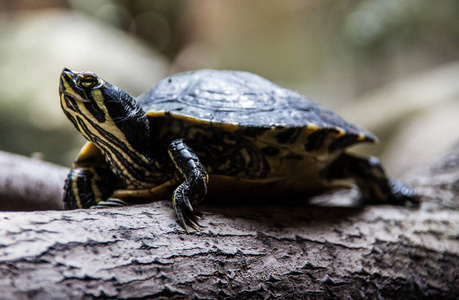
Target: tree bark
30,184
321,251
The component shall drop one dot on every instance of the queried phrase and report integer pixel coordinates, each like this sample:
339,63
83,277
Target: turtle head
91,97
105,115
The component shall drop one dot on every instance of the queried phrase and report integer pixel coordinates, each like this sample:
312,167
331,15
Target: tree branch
30,184
289,251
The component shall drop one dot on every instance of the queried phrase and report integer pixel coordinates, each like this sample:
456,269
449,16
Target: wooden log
30,184
247,251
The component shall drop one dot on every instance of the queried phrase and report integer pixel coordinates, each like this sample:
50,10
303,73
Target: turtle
211,132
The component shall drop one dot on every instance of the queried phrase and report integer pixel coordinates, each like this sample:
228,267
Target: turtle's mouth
73,96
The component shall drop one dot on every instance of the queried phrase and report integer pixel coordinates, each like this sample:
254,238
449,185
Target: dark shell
248,101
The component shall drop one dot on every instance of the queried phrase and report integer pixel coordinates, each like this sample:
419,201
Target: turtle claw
187,203
187,219
180,217
193,221
184,210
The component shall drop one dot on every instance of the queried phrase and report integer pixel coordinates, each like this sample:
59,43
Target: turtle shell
254,107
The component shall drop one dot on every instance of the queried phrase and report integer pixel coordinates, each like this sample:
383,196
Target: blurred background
391,66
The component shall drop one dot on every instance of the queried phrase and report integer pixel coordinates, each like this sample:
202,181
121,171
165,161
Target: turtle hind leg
194,179
374,186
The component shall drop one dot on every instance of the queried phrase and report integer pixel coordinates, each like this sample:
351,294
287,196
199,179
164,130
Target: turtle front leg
375,187
194,179
90,186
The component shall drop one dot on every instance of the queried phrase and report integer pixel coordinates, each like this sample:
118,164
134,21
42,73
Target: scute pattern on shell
247,100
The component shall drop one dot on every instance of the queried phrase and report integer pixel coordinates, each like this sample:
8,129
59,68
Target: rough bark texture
256,252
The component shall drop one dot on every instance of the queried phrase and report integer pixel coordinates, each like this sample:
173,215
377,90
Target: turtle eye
88,81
